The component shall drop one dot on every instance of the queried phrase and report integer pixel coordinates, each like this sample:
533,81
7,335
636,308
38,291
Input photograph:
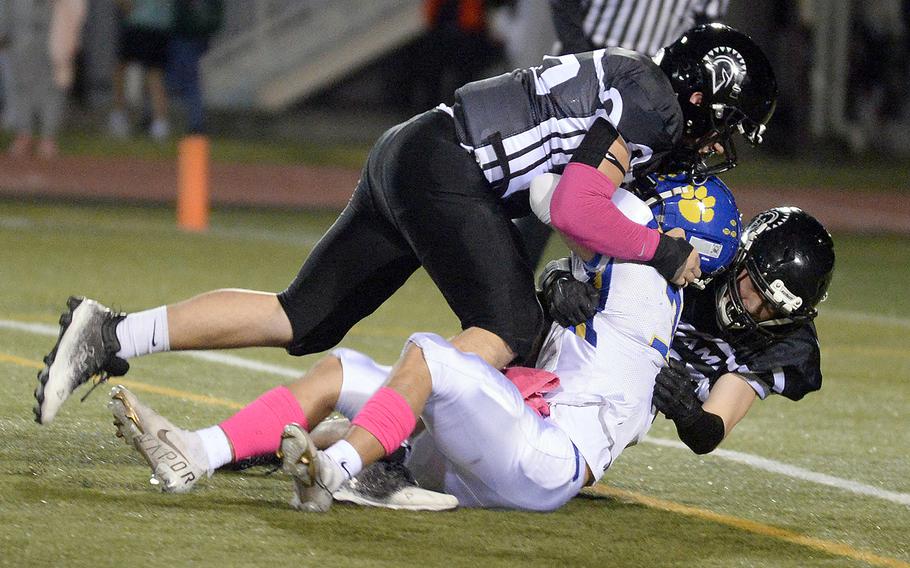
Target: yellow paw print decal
696,205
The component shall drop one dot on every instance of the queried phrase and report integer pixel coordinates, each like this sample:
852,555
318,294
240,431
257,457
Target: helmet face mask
741,325
725,85
788,257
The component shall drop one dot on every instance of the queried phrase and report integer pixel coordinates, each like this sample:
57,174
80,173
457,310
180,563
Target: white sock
143,333
344,457
216,445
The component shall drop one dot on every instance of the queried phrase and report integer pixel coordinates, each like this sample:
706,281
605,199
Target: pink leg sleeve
256,429
388,417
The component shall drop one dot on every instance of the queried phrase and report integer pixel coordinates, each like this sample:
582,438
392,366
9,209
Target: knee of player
321,383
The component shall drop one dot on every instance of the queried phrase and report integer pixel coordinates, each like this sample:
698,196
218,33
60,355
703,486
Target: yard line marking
735,522
854,350
243,363
865,317
221,358
36,328
795,472
20,361
305,238
137,386
828,547
747,459
174,393
386,332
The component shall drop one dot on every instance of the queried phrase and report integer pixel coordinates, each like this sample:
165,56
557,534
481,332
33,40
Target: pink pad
388,417
533,384
582,209
256,429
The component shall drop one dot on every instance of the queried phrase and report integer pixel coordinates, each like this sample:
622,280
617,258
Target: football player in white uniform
521,439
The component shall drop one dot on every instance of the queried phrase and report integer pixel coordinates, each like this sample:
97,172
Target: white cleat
301,460
390,485
87,346
176,456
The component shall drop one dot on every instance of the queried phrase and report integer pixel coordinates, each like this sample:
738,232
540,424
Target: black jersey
791,367
528,122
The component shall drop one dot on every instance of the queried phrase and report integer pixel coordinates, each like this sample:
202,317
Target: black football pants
421,201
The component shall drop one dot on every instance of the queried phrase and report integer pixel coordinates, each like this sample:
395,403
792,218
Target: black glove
674,395
567,300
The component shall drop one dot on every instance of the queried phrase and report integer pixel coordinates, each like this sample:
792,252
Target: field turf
822,482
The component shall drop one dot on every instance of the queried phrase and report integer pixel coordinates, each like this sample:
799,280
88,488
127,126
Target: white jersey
606,366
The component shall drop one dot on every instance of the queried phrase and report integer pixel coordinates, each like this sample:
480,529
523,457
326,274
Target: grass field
822,482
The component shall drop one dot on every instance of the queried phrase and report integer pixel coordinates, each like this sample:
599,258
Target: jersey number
558,71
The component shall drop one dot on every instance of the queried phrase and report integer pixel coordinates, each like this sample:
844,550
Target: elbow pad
540,194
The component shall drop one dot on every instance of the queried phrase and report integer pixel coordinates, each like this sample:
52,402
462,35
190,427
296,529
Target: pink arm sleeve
582,209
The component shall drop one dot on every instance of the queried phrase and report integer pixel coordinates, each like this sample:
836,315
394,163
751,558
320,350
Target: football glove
567,300
674,394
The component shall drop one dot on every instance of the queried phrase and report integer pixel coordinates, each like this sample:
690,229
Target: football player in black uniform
747,334
439,191
720,83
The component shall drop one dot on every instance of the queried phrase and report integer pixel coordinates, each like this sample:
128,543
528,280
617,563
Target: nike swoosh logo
344,466
162,435
154,329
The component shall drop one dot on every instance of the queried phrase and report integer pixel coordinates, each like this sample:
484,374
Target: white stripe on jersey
709,354
536,151
779,379
548,145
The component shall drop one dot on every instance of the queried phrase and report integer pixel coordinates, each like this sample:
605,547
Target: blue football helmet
706,210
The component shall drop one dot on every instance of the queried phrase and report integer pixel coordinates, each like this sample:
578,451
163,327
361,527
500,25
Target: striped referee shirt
640,25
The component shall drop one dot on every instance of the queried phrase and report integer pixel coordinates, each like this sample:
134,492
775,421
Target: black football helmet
739,93
789,256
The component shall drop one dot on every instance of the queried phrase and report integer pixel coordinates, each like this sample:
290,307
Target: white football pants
483,444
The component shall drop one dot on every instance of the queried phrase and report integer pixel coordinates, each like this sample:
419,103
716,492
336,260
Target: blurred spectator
456,49
43,36
144,35
525,28
7,118
7,121
195,22
877,85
